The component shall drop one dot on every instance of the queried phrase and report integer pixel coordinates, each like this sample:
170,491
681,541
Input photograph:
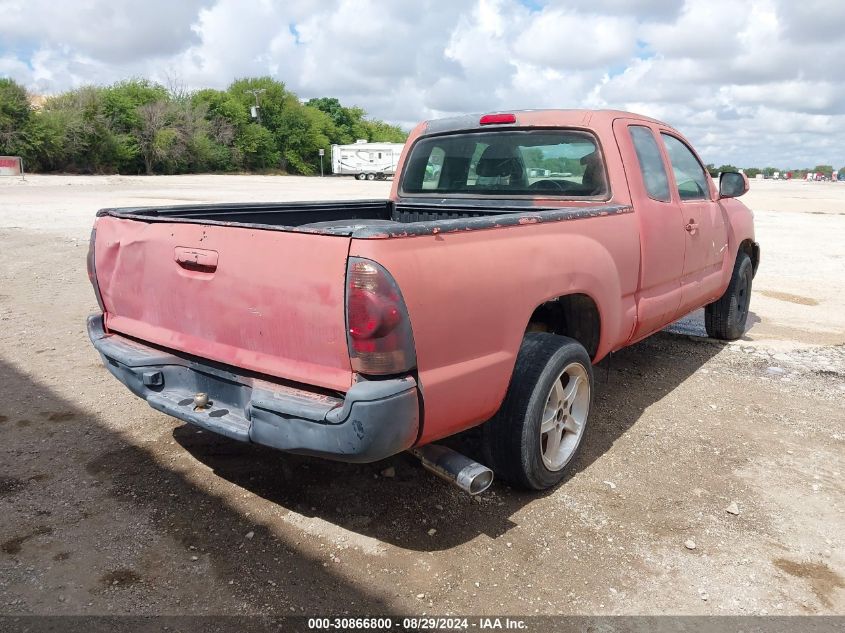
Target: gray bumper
374,420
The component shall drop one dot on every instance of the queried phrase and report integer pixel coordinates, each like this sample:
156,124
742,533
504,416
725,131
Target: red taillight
370,315
379,331
492,119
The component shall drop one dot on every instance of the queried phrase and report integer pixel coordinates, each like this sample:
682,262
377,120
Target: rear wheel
725,318
371,176
539,427
361,176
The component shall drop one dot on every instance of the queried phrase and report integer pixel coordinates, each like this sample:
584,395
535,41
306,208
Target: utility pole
256,109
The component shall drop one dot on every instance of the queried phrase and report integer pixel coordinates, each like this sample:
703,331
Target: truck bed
367,218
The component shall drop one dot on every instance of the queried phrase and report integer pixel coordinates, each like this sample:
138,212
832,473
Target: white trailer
366,160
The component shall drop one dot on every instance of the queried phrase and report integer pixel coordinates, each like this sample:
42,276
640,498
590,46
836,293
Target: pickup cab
516,250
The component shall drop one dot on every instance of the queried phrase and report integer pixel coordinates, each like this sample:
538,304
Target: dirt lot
107,506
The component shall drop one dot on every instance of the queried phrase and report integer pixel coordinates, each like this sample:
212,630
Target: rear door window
689,174
566,163
651,163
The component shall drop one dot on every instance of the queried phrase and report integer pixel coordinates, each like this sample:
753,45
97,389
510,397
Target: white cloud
812,20
652,9
703,30
796,96
561,38
749,83
114,32
235,40
11,66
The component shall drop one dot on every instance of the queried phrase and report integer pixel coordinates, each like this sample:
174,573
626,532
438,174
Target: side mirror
732,184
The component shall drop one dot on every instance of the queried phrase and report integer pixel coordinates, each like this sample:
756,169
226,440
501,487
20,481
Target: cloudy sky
753,82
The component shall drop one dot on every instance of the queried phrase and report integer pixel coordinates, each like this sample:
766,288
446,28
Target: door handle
691,226
196,259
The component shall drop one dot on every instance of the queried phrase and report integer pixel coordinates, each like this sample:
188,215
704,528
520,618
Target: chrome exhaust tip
465,473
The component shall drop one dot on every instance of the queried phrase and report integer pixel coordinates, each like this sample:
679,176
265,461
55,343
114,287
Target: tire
725,318
361,177
371,176
515,446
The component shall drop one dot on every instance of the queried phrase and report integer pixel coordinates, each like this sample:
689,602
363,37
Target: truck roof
540,118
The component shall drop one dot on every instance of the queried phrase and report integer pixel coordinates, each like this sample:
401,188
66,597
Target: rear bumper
374,420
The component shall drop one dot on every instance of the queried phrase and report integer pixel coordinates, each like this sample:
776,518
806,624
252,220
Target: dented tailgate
263,300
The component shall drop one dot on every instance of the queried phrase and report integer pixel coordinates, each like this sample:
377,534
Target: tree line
141,127
768,172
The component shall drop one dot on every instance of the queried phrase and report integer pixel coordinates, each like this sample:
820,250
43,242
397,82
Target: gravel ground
710,481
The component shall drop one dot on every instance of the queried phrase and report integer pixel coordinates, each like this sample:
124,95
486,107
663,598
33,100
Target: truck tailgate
264,300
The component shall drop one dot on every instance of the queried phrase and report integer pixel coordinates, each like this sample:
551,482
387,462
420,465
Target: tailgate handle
196,259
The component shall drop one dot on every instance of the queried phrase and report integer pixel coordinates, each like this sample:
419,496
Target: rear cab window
565,163
690,177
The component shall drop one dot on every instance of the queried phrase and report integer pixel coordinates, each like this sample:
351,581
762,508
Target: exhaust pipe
466,474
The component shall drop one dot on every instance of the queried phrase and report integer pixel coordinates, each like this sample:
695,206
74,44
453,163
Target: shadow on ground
75,496
401,508
398,510
693,325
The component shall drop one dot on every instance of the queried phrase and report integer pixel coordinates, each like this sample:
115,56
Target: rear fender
470,296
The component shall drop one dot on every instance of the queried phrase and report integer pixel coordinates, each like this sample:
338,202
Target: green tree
351,124
347,121
225,116
343,118
257,146
303,133
137,126
86,138
219,104
297,131
20,131
121,102
379,131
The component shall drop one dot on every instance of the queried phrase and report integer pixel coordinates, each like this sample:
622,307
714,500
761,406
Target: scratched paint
268,306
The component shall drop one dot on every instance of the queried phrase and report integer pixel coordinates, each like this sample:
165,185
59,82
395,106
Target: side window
651,163
689,174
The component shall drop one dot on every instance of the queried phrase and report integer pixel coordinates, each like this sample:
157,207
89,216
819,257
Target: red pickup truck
515,251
